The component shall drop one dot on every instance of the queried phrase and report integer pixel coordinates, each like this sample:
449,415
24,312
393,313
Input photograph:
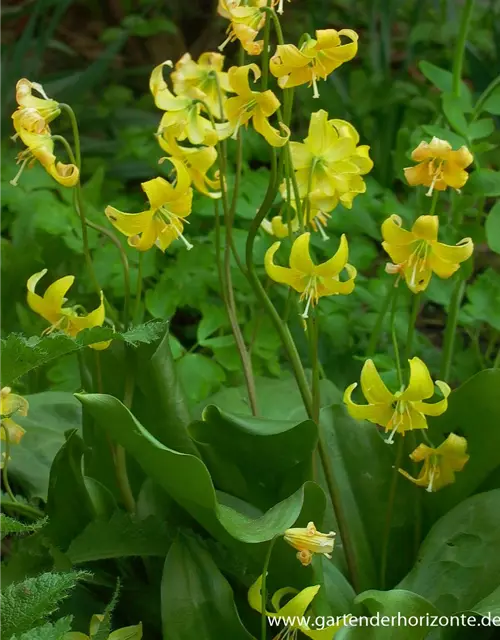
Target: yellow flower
440,464
328,163
314,207
309,541
11,404
255,105
196,160
439,166
33,113
247,20
310,280
315,59
163,222
401,411
65,319
40,146
279,228
125,633
185,112
206,77
294,611
417,254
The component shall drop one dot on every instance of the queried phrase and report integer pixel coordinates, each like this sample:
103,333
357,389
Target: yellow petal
426,228
148,236
421,386
453,176
272,135
170,233
335,264
281,274
255,597
158,191
454,450
280,594
322,136
419,174
49,307
437,408
345,129
93,319
14,431
454,254
334,286
238,78
299,604
394,234
300,258
130,224
159,88
373,386
378,414
287,58
267,103
417,275
301,156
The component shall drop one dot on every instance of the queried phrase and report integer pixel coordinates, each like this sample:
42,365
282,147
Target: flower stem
312,330
138,290
5,473
379,323
435,196
265,50
389,512
458,58
395,338
415,308
484,96
451,327
263,589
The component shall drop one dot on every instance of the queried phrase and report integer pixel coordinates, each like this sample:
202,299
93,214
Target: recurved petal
462,157
272,135
345,129
436,408
146,239
130,224
279,274
394,234
426,228
300,258
299,604
422,152
420,386
454,254
238,78
378,414
14,430
255,597
454,450
56,292
287,58
333,266
183,180
158,86
158,191
66,174
268,103
454,176
93,319
373,386
335,286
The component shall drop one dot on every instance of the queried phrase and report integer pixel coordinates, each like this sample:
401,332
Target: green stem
451,327
276,24
379,323
312,330
76,134
263,590
484,96
389,512
265,51
415,308
5,473
23,509
435,196
458,58
138,290
395,338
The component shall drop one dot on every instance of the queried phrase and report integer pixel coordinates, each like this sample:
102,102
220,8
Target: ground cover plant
251,320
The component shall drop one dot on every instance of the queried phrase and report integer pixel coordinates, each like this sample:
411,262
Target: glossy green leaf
187,480
493,228
257,459
196,599
387,606
458,563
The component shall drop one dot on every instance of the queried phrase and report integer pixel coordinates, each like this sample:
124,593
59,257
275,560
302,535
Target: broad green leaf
256,459
454,113
361,467
21,355
196,599
50,414
187,480
338,590
474,413
213,318
443,80
481,128
484,182
68,494
11,526
199,376
492,103
458,563
48,631
493,228
27,604
484,298
391,604
118,537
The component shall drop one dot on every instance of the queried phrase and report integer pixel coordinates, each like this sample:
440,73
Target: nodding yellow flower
439,166
315,59
163,222
247,20
310,280
440,464
10,405
293,613
417,254
185,112
329,162
33,113
401,411
205,76
40,146
61,318
258,106
278,227
309,541
315,208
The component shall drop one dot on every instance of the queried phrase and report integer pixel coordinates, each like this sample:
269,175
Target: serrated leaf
120,536
10,525
21,354
27,603
48,631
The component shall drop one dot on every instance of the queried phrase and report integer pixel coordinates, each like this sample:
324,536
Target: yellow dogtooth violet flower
417,254
329,162
293,612
258,106
315,60
439,166
440,464
247,20
310,280
197,161
33,113
163,222
401,411
10,405
206,76
309,541
185,112
66,319
125,633
40,146
278,227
